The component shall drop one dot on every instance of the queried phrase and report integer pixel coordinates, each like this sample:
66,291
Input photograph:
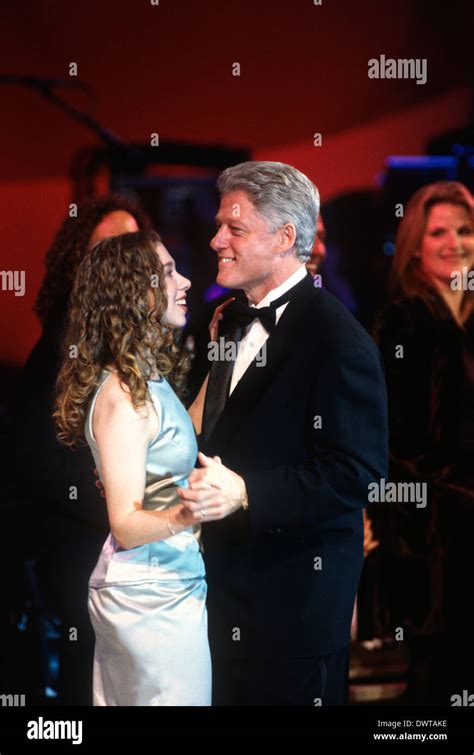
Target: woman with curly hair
426,335
53,486
116,389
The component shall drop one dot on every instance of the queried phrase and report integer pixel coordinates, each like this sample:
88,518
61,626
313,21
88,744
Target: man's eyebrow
232,221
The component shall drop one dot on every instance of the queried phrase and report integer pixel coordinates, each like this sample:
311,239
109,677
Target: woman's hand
182,516
98,483
217,316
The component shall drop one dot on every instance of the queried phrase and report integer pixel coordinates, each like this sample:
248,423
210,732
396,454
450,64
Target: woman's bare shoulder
115,400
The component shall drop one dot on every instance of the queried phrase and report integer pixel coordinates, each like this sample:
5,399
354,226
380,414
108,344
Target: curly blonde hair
115,317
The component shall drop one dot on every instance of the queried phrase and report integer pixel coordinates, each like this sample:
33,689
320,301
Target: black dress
424,563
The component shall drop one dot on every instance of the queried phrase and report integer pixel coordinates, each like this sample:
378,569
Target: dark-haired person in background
51,486
318,253
426,336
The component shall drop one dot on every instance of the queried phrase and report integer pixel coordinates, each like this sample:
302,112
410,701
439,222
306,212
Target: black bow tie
240,314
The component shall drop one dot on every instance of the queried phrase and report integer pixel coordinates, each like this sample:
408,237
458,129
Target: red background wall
167,69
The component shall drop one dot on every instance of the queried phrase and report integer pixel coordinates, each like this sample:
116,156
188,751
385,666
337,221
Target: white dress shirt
256,335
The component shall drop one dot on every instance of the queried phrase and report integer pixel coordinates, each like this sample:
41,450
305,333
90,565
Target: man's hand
214,491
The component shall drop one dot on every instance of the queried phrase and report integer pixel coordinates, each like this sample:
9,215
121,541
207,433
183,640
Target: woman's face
447,245
176,287
113,224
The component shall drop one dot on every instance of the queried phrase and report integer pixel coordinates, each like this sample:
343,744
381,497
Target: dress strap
102,380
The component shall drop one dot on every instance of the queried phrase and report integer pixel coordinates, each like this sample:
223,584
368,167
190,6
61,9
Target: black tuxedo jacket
308,433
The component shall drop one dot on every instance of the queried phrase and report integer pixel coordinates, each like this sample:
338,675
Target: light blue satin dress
148,604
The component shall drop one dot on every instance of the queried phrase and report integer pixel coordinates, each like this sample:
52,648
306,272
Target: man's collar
275,293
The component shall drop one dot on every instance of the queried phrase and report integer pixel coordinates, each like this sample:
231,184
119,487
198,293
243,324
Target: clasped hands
214,490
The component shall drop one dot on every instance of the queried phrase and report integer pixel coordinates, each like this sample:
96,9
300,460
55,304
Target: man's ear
286,238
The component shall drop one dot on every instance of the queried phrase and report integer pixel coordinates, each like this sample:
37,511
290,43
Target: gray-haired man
299,438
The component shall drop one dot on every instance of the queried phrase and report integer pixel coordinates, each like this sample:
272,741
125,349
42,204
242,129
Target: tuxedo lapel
279,346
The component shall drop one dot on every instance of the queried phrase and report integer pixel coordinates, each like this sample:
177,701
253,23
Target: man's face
245,247
318,255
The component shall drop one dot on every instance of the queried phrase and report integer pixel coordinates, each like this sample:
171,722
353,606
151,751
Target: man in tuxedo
294,430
